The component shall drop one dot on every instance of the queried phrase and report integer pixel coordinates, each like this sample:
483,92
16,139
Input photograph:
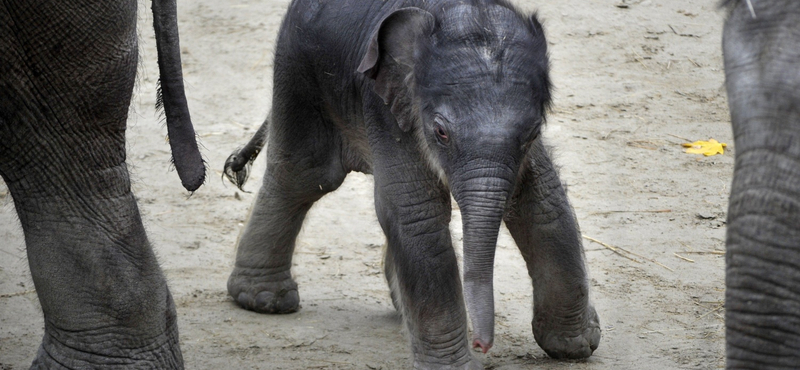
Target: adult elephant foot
261,292
570,337
72,350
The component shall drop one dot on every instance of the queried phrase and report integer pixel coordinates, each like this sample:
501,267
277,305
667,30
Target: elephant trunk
482,201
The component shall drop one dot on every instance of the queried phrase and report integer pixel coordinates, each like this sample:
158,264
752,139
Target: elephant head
473,87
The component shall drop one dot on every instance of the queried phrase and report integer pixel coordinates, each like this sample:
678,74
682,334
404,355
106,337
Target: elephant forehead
480,97
484,24
483,45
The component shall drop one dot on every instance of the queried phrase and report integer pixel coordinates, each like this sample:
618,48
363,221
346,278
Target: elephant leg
413,209
66,78
762,262
391,277
544,227
303,164
104,298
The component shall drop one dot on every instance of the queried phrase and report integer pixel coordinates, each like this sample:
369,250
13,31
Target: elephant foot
264,293
568,341
472,364
448,352
78,350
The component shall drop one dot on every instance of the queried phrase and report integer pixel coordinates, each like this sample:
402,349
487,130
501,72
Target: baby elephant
432,98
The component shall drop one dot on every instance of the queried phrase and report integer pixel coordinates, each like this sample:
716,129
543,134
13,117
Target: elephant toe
569,342
578,347
284,301
272,297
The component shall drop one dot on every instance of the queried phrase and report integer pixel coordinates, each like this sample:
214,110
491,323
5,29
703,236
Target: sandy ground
634,80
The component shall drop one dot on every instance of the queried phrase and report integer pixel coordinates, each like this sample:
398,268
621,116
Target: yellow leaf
706,148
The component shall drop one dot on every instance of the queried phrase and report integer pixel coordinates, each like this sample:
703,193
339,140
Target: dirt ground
634,79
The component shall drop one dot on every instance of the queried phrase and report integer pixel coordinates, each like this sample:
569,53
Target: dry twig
612,248
618,250
683,258
9,295
679,137
682,329
711,310
714,311
632,211
640,59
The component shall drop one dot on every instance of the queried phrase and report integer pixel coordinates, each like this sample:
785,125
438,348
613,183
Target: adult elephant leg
65,87
762,298
104,298
544,227
303,164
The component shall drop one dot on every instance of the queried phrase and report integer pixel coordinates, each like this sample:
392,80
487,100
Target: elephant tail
237,166
171,97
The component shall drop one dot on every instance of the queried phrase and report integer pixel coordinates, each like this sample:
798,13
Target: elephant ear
545,86
390,58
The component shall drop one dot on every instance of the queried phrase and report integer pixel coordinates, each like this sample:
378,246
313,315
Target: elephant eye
441,134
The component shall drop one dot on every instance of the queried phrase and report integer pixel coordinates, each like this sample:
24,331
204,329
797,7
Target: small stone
706,216
193,246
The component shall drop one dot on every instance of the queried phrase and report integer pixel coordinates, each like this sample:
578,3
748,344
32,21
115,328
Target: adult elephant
67,71
761,43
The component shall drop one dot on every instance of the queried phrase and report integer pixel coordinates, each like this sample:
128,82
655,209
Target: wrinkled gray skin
67,70
433,99
762,299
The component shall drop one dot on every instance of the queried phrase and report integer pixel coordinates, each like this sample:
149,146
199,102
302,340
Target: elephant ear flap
390,58
535,25
545,87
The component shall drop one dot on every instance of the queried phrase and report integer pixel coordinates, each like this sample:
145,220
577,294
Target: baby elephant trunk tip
480,305
484,346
